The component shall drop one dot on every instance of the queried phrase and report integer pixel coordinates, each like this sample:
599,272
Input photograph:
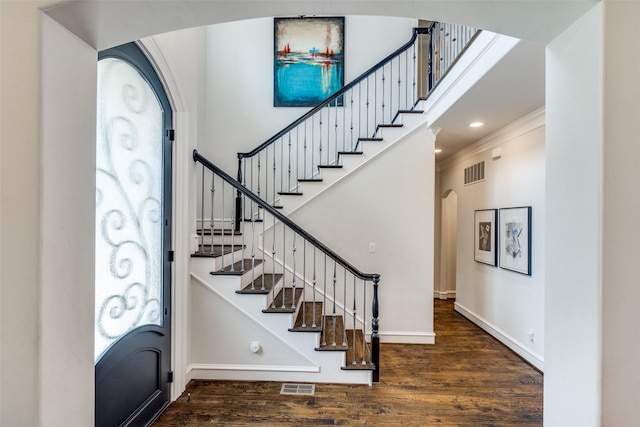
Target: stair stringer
352,163
296,350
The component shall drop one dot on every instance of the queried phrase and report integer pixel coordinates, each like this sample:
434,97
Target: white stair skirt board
228,372
519,348
298,348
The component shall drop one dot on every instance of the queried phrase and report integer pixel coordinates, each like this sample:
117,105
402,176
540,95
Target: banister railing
335,127
288,254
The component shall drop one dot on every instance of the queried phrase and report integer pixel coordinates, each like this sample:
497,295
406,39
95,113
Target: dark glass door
133,240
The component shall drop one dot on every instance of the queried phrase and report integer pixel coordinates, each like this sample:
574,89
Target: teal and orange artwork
308,60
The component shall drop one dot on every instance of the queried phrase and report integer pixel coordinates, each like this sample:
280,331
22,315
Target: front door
133,240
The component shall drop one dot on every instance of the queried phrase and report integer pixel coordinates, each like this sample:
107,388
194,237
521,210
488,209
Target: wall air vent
474,173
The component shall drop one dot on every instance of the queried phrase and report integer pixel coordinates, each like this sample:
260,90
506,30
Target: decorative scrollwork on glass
128,204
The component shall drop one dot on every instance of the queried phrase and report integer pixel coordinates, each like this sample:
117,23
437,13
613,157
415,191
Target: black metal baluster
281,140
304,283
390,93
305,151
288,189
353,362
264,220
293,285
324,304
344,309
313,140
223,227
284,263
320,141
351,148
274,177
335,316
233,227
259,179
315,282
399,81
253,248
364,319
336,130
273,265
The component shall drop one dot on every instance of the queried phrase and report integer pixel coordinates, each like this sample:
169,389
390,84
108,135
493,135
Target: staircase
313,315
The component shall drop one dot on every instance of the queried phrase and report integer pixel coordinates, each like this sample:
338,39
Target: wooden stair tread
349,365
330,166
342,153
269,280
239,267
307,310
290,303
310,180
217,232
252,220
410,111
289,193
391,125
205,251
332,332
370,139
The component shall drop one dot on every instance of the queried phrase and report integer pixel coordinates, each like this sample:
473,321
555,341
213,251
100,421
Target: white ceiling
509,91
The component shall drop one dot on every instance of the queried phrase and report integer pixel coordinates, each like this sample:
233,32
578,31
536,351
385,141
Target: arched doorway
448,233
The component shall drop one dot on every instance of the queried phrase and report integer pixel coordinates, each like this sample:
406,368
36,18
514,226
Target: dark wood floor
467,378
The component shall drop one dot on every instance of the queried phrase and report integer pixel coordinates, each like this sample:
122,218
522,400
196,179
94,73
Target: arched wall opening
448,239
53,166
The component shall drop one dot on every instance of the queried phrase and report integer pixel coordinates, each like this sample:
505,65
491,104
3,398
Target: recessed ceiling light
476,124
437,150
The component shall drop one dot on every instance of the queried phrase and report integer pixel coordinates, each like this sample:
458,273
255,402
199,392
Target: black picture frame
485,242
514,231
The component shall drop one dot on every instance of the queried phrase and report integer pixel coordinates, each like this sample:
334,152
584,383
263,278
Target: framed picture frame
484,245
308,55
515,239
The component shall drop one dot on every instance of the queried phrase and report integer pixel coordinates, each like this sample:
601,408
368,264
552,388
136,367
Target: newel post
238,218
375,338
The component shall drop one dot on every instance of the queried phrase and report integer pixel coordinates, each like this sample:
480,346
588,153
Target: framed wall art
485,248
308,60
515,239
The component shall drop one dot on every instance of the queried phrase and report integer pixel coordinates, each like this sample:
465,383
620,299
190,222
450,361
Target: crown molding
524,125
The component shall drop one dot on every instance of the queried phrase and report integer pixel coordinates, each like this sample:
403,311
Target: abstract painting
308,60
485,250
515,239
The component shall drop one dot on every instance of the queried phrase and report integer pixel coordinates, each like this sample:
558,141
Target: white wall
574,147
620,271
506,304
389,202
20,200
67,224
239,87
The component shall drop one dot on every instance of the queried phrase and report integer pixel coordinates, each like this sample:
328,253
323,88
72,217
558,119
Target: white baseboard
407,337
528,355
444,294
275,373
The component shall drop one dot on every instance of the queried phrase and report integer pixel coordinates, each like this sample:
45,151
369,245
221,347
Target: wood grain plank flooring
466,379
